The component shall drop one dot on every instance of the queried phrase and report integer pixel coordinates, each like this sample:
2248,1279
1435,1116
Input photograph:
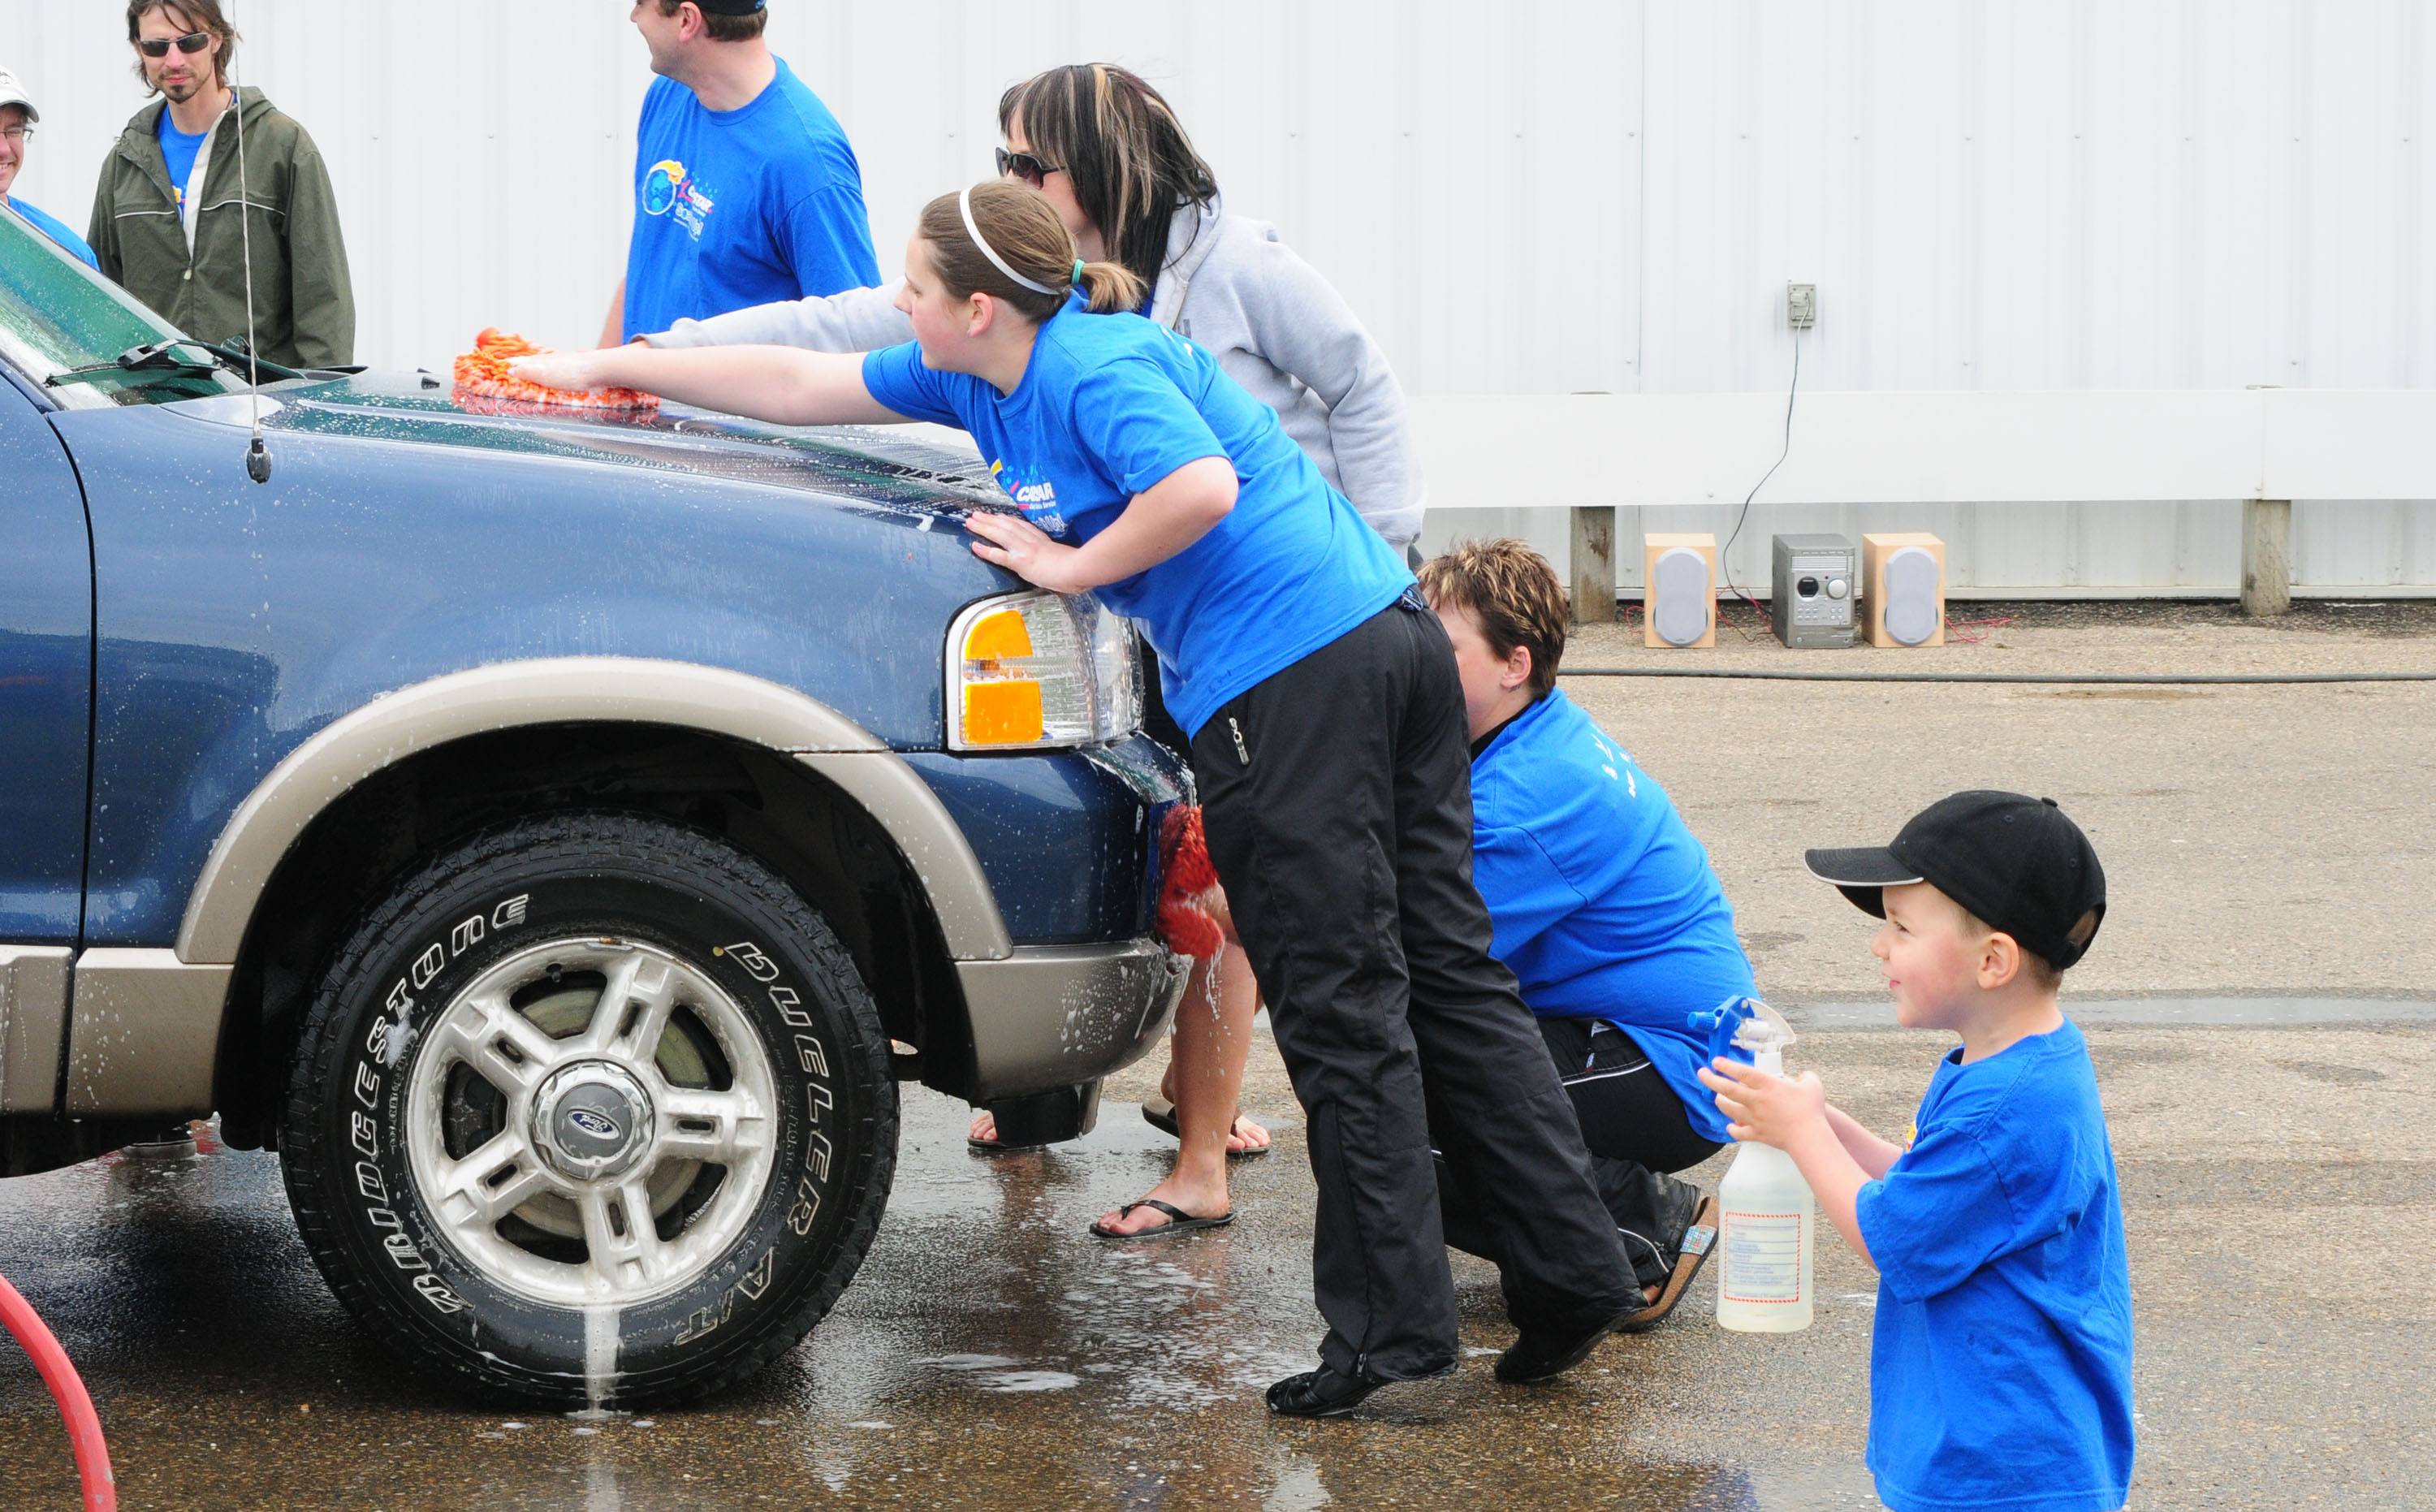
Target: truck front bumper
1059,1015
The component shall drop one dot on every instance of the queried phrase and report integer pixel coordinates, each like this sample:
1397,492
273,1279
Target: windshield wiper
151,364
163,362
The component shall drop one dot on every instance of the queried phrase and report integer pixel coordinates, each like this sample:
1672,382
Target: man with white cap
17,119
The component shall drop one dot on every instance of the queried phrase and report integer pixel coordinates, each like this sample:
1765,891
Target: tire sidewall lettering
372,1182
378,1086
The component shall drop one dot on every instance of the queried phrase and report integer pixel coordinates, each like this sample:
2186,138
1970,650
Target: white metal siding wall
1538,196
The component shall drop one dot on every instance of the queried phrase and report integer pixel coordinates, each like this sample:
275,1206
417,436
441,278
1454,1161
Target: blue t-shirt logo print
668,187
660,188
1039,500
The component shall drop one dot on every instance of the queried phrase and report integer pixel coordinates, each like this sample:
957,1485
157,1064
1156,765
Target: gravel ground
2257,839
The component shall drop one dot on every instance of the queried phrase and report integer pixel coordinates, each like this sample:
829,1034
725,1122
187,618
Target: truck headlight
1037,669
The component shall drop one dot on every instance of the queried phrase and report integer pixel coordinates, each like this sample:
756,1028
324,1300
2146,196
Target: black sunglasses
1025,166
193,42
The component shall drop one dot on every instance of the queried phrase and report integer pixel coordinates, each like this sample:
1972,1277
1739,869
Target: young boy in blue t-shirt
2000,1373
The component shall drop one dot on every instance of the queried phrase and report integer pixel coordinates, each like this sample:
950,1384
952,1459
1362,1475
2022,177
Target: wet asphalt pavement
2268,1096
992,1353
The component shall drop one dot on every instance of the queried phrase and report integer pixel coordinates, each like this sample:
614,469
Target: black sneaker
1321,1392
1544,1354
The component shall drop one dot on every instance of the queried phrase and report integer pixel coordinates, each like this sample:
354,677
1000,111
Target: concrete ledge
1521,451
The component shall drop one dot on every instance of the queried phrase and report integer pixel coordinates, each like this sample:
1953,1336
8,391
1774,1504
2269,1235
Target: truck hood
912,472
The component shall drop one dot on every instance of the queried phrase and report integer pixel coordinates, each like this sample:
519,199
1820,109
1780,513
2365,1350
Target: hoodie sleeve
323,296
1302,326
858,319
101,232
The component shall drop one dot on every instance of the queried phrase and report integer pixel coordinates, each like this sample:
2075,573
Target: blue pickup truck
554,833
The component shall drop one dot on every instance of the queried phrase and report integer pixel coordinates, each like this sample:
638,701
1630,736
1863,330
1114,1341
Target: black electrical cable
1725,558
2100,679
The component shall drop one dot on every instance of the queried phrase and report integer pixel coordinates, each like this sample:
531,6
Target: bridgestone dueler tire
387,1254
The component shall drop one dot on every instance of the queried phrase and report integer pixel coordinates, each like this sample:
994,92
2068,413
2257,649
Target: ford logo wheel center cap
592,1119
590,1124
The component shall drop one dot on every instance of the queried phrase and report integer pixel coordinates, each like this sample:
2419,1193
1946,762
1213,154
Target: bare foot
1245,1134
1201,1201
984,1129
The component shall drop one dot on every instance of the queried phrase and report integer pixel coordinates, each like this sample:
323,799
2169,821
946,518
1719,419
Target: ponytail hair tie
1078,270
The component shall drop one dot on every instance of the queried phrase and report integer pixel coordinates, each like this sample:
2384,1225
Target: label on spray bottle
1764,1257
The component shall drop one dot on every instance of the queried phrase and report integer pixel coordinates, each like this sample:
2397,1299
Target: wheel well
764,801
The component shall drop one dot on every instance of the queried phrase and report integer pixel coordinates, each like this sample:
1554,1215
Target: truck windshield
58,315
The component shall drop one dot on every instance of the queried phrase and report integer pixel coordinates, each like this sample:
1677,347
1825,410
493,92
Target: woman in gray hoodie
1108,152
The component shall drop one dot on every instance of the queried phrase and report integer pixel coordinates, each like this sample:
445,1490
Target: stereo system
1814,582
1821,596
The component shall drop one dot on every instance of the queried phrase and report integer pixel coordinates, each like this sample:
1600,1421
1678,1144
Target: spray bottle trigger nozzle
1739,1026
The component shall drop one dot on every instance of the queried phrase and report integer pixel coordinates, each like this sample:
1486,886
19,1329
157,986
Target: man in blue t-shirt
2000,1368
1604,909
17,119
745,189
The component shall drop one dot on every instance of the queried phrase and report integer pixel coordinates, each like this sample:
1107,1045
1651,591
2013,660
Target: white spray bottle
1769,1211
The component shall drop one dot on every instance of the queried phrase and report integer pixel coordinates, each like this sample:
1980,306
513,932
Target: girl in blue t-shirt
1327,740
1111,156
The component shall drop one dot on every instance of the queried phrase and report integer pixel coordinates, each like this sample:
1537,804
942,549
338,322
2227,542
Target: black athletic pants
1337,800
1638,1133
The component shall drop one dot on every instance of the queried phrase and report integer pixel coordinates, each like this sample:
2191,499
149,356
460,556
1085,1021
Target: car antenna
258,457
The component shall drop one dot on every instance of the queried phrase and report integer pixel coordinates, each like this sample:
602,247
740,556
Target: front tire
595,1109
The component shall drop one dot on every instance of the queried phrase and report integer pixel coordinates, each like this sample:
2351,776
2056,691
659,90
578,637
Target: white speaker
1904,573
1679,590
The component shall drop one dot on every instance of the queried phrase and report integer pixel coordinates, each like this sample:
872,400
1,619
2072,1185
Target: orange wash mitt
483,374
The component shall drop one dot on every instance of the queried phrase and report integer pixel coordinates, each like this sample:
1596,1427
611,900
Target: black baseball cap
729,7
2019,863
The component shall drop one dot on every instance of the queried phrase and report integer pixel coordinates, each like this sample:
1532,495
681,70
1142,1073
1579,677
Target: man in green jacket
169,218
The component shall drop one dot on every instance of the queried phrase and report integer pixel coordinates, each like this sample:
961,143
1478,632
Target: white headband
964,203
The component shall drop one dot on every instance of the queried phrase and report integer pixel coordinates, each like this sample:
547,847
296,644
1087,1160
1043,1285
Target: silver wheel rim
593,1126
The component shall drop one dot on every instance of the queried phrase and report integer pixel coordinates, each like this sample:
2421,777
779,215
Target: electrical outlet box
1800,305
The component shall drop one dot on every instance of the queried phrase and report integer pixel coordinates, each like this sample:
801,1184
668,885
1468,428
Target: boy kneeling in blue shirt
2000,1374
1604,907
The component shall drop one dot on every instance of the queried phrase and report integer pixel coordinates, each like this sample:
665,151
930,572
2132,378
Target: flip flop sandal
1161,1113
998,1147
1699,1240
1178,1221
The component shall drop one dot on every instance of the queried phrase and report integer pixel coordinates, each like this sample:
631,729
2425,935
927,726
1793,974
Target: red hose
67,1389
